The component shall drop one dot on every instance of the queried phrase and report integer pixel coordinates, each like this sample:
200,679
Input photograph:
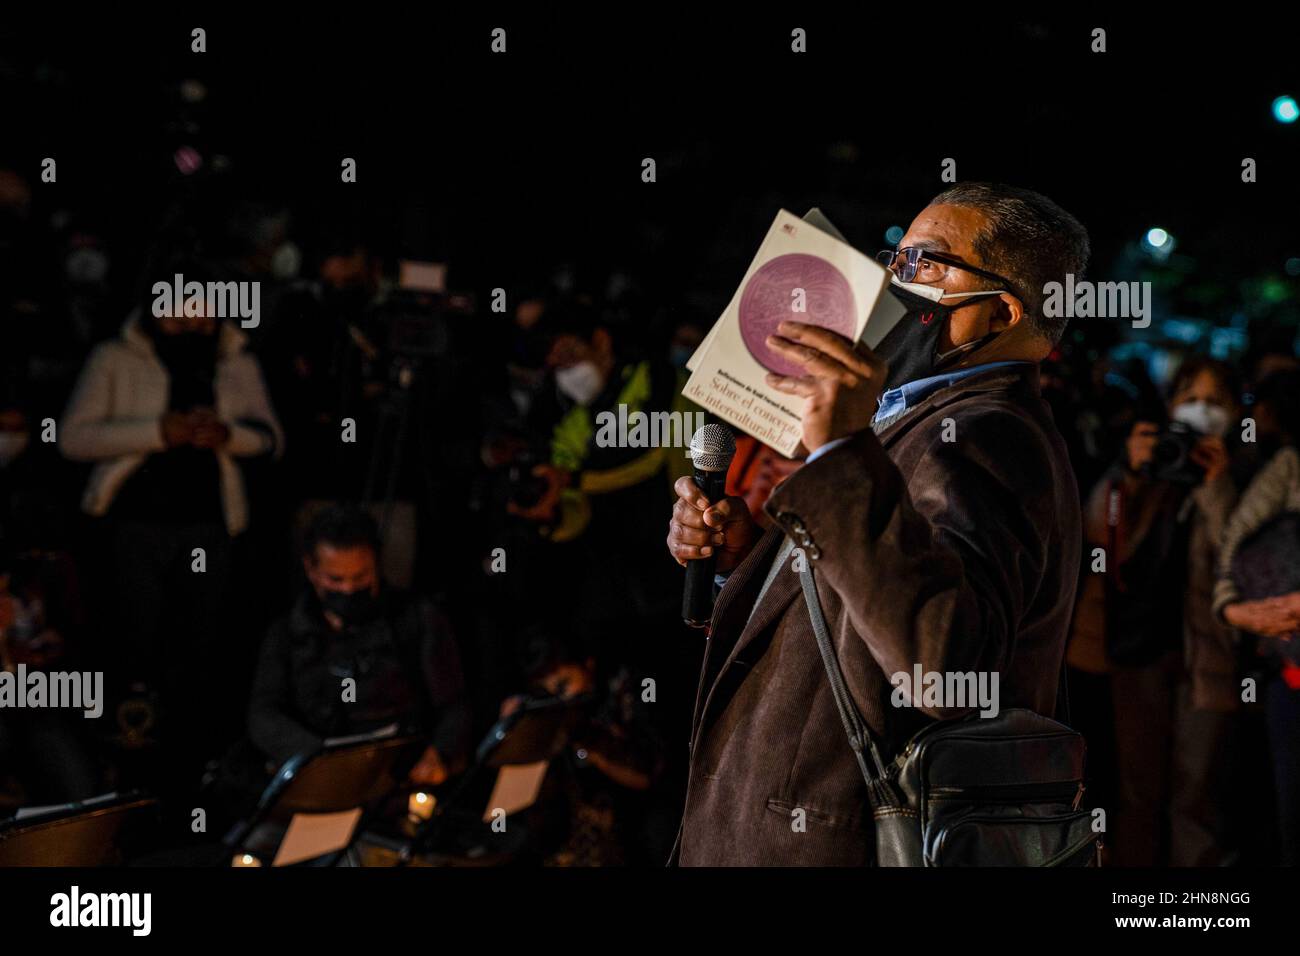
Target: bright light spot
1157,238
1285,109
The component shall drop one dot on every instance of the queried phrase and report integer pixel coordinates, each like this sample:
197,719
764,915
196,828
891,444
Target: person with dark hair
42,750
1146,622
938,511
1276,413
167,413
1273,622
353,656
1025,236
594,370
598,488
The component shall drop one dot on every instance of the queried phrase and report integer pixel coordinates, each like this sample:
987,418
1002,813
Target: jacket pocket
854,821
984,838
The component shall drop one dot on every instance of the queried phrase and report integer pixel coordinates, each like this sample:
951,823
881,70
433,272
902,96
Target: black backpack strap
854,726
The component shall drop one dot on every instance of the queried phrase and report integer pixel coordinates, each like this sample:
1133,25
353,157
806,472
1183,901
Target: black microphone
712,448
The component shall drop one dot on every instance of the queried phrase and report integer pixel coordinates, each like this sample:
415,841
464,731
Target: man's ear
1009,313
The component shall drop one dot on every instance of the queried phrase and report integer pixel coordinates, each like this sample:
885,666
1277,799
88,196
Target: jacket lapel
775,600
728,620
735,601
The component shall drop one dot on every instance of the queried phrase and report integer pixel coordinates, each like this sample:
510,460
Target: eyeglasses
913,264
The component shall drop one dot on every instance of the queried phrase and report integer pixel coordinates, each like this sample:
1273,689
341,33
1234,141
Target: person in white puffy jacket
165,411
119,414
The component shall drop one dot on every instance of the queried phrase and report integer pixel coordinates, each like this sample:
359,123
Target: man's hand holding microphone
843,384
701,529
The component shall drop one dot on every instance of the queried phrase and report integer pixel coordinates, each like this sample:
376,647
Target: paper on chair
516,788
314,834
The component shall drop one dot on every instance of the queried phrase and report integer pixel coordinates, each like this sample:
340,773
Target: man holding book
939,511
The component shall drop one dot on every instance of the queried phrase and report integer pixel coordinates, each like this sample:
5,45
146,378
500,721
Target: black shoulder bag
998,791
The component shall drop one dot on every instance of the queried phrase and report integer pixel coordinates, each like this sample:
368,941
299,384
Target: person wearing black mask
939,513
167,412
352,657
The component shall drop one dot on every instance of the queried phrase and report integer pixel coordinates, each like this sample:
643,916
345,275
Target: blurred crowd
395,481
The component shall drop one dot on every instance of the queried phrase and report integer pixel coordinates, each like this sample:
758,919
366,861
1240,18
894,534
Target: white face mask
936,294
286,261
581,382
1206,417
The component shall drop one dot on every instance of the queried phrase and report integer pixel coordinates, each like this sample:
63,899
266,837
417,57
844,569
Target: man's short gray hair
1029,239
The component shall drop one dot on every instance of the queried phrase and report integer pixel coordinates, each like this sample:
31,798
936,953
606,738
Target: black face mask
355,608
912,346
186,352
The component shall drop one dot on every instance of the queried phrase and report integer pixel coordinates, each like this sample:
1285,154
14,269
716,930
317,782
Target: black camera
526,489
1172,460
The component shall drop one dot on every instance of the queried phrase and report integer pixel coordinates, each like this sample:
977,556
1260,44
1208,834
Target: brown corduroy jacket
960,554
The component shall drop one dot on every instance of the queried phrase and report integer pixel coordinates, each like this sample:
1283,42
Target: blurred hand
557,479
698,529
1212,455
842,384
567,680
1140,448
177,429
430,769
208,430
1270,617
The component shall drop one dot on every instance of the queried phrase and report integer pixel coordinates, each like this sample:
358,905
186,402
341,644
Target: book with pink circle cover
805,271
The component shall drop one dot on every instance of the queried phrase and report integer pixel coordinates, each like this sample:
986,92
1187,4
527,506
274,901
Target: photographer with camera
1159,515
594,492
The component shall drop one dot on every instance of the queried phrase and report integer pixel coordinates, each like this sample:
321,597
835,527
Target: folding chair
314,806
97,831
509,765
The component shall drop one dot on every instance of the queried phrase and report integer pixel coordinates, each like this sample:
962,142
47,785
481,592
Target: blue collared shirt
895,401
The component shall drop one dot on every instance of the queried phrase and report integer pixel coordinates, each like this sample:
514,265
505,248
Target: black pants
1283,707
1173,767
172,623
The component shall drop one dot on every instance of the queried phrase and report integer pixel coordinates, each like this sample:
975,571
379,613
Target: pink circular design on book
768,297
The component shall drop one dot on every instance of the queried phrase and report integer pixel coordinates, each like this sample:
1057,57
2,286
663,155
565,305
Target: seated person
396,650
595,808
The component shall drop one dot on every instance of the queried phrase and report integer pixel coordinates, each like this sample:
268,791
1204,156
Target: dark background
509,167
497,163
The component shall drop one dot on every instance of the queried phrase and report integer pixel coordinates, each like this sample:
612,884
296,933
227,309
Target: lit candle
420,805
